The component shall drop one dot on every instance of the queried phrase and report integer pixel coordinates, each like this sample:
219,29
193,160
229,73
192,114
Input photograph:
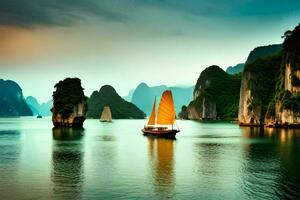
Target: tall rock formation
285,109
270,89
12,102
215,96
69,104
257,89
120,109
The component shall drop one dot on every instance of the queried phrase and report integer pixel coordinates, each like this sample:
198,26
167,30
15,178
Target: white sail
106,115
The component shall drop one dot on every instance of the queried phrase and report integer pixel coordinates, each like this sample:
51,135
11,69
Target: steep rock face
12,103
215,96
249,114
69,104
120,109
74,119
286,109
257,89
274,97
203,108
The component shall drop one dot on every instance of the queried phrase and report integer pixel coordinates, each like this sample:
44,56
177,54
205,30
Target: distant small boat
106,115
39,116
162,125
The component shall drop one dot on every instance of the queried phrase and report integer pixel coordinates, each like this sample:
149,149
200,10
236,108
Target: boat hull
103,120
161,133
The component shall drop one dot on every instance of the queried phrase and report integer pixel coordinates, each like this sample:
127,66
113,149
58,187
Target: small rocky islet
69,103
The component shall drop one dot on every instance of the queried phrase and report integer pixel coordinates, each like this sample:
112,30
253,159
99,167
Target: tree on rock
69,103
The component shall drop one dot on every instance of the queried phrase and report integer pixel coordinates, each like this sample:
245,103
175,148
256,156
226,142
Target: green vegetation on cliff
263,51
274,84
221,88
120,109
69,93
291,46
291,56
12,102
266,72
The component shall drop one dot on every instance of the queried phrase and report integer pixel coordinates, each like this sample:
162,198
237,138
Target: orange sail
153,114
166,110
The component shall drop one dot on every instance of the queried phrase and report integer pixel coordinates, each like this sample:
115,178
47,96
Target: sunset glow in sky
123,43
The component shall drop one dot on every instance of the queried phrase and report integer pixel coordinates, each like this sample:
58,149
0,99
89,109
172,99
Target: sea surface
115,161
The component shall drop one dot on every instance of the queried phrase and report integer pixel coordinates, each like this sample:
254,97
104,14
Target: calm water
114,161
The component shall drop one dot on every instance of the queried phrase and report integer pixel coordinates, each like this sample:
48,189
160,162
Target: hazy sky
125,42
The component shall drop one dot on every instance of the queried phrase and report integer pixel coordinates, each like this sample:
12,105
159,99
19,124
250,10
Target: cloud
31,13
228,8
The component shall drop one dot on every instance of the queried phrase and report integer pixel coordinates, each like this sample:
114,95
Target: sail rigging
152,117
166,109
106,114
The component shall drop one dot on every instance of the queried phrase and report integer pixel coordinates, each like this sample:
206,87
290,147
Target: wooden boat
162,125
106,115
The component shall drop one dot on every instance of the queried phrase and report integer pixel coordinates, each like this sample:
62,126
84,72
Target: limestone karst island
150,99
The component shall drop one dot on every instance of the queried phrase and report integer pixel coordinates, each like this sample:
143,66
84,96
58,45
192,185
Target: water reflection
161,155
276,153
10,151
209,157
67,163
218,160
65,134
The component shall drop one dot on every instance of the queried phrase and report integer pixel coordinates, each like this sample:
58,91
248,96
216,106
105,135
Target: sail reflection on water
161,155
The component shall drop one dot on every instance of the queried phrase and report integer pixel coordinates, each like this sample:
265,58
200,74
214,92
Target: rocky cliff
202,108
285,109
69,104
270,89
120,109
12,102
257,89
215,96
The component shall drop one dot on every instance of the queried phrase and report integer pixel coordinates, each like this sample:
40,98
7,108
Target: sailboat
162,124
106,115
